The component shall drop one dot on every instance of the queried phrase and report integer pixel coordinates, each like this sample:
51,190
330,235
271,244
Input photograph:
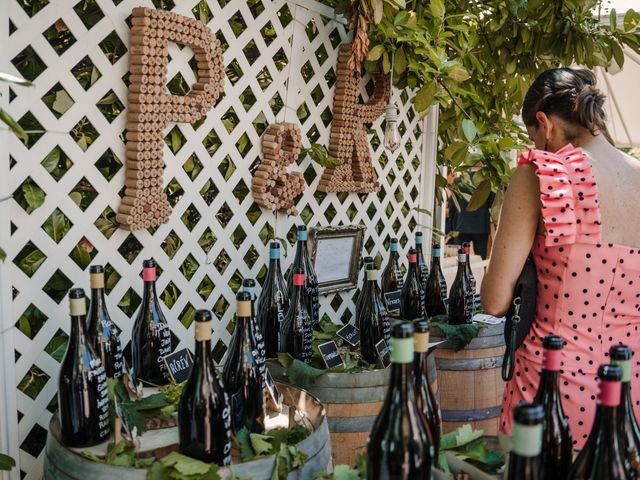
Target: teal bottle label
401,350
625,365
526,440
393,247
274,253
302,235
418,239
436,252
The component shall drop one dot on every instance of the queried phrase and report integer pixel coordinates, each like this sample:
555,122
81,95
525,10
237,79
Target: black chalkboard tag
274,399
330,354
179,365
392,300
384,354
350,334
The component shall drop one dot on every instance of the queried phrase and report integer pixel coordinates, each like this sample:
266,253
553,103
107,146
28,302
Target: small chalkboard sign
384,354
179,365
274,399
350,334
392,300
330,354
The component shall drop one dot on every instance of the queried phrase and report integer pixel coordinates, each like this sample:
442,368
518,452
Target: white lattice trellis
280,59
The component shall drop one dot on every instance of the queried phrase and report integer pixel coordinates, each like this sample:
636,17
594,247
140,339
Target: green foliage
479,58
345,472
135,413
173,392
121,454
180,467
469,444
320,155
6,462
458,336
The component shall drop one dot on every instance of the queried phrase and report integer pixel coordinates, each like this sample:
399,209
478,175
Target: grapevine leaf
458,336
185,465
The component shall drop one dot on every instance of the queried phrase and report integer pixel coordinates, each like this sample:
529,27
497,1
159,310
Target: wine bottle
556,440
249,286
435,287
459,301
411,305
391,281
400,445
303,261
629,432
525,461
103,334
204,414
151,336
372,319
242,376
422,262
83,402
273,302
366,261
601,457
295,330
470,278
425,398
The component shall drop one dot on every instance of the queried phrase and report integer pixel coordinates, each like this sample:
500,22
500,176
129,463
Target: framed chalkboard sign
350,334
330,354
179,365
335,253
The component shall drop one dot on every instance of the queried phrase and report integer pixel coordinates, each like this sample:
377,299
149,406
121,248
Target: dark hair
569,93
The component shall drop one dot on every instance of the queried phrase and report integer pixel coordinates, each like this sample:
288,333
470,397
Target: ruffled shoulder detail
568,194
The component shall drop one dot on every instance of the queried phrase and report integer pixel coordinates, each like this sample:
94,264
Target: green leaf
459,74
57,225
24,326
458,336
50,162
424,98
58,347
386,64
437,8
480,195
303,375
469,129
185,465
76,197
456,153
260,443
7,77
83,143
31,262
613,19
377,10
375,53
63,102
618,54
399,62
6,462
13,125
631,19
422,210
244,441
3,255
459,437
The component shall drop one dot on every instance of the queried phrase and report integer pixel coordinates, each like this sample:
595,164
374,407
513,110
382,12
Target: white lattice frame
28,164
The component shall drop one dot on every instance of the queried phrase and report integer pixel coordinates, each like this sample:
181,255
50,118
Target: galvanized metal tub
62,463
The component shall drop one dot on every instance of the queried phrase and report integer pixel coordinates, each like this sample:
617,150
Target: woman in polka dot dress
573,204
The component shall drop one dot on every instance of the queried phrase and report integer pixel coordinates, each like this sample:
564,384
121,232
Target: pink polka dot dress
588,293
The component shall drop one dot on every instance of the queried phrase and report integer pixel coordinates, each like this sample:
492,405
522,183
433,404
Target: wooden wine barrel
470,382
62,463
352,401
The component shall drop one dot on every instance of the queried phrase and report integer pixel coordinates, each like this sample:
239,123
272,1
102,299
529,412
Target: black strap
510,351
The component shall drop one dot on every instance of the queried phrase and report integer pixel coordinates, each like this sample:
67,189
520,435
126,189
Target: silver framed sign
339,250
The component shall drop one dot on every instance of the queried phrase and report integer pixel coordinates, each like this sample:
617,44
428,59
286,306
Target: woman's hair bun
570,94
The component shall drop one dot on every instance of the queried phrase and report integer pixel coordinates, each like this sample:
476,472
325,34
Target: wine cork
124,219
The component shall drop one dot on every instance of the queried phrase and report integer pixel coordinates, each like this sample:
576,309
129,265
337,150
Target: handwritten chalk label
350,334
384,354
273,394
392,300
330,354
179,365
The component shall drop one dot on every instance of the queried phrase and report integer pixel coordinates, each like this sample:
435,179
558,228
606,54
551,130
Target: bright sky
621,6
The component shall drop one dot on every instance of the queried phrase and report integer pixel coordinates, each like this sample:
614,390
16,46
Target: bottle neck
548,390
78,329
149,291
98,301
526,440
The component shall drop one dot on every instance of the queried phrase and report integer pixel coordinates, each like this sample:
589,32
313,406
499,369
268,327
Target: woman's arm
517,228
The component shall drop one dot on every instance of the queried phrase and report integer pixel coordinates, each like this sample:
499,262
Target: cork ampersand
152,108
348,142
272,186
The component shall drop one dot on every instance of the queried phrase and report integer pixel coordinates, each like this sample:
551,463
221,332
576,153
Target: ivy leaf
480,196
6,462
375,53
260,443
13,125
469,129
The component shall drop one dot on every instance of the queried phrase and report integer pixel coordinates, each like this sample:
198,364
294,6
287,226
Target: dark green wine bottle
460,303
83,400
296,334
204,414
411,306
525,461
103,334
400,445
372,319
391,281
302,260
436,287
